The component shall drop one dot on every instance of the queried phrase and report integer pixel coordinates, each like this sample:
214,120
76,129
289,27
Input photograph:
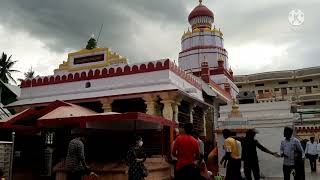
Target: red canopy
112,119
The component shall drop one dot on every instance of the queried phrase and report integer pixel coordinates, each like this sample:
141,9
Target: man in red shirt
186,149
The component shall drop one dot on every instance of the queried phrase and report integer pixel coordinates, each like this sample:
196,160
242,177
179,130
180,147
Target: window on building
301,87
308,89
260,91
239,86
88,84
307,80
267,90
276,89
315,87
283,82
284,91
310,103
259,85
290,88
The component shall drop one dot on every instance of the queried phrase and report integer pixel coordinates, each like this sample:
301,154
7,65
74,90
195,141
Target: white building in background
300,87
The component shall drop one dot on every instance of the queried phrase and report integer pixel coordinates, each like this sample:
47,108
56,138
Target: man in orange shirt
186,149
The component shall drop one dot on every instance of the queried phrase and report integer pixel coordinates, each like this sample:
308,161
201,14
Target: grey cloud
65,24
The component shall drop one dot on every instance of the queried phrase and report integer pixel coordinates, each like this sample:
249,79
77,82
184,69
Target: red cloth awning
82,121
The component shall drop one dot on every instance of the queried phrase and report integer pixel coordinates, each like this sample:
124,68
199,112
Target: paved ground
309,175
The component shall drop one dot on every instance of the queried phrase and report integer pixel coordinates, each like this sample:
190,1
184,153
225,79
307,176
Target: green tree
6,65
30,74
92,43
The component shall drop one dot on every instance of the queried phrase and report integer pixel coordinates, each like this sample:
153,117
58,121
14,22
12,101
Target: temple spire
200,1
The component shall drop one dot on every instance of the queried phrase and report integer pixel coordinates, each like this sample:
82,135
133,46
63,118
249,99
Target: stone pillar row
170,100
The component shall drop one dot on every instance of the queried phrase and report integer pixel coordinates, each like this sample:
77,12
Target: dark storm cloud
65,24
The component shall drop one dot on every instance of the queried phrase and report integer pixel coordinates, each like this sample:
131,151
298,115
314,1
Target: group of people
77,167
290,150
188,151
188,156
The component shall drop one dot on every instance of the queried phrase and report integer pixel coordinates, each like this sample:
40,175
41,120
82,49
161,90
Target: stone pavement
309,175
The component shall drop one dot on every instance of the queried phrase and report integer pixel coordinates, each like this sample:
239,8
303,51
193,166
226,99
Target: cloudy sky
258,35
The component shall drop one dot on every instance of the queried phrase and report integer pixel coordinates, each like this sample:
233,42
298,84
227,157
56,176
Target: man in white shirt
312,154
318,148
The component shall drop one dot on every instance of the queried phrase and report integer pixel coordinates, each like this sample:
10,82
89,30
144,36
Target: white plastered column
106,104
151,102
191,106
168,102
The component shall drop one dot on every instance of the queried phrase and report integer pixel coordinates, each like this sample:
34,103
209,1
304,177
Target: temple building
98,90
204,43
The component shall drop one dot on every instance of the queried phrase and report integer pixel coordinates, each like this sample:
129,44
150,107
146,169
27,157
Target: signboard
88,59
5,157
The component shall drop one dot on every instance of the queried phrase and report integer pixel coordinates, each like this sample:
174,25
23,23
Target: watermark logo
296,17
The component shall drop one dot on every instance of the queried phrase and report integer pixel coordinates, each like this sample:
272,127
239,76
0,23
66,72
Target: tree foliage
92,43
6,65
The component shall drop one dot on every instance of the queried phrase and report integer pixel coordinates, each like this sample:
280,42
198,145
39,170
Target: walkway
309,175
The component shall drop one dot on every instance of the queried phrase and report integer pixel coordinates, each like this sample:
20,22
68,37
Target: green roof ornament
92,43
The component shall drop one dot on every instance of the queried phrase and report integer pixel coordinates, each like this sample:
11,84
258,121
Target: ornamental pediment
91,59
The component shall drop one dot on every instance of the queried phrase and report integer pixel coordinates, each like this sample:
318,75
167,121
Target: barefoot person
250,156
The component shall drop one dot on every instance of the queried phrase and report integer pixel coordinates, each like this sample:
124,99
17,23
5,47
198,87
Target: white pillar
176,111
106,104
167,109
191,106
151,102
204,115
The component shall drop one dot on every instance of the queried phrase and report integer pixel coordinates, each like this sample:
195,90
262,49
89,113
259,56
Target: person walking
186,149
232,156
201,144
250,156
312,154
135,161
318,149
293,154
213,161
75,161
174,159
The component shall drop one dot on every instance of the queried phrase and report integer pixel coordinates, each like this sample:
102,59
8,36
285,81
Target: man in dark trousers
293,154
312,154
232,156
186,150
250,156
75,162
